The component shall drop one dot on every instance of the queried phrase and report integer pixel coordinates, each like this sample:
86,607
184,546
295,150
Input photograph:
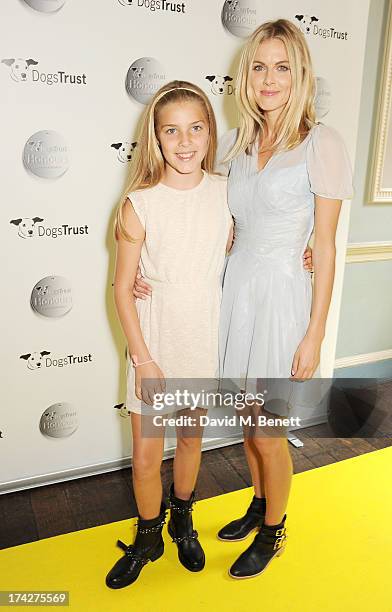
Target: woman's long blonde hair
147,166
298,116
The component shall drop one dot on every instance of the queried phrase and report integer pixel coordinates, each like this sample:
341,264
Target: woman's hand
306,358
149,380
141,289
308,260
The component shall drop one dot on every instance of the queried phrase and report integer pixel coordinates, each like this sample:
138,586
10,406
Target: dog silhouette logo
306,22
123,410
19,69
220,84
26,226
124,150
34,360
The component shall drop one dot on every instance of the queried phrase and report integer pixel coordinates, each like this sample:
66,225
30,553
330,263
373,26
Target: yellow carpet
337,558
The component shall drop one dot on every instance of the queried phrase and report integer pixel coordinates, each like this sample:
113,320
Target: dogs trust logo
51,296
241,17
124,150
156,5
31,227
46,154
145,76
309,25
20,71
123,410
59,421
220,84
40,360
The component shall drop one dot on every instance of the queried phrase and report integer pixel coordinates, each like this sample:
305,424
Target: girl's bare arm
127,261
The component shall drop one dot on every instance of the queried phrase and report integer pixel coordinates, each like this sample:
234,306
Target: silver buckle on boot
280,539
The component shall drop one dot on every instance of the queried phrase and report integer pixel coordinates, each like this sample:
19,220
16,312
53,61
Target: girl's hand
149,380
308,261
141,289
306,358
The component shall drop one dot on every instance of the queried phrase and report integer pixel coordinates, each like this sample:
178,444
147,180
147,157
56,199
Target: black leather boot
180,528
239,529
148,546
270,542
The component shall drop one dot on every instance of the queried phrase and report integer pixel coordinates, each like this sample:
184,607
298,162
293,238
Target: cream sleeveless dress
182,258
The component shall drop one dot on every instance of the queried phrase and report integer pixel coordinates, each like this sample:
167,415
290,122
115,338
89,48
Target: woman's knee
268,445
188,444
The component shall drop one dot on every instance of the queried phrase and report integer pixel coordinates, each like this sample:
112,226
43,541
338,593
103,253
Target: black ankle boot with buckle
180,528
239,529
270,542
148,546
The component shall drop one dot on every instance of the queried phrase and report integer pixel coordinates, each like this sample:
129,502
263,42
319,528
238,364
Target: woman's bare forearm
129,320
324,273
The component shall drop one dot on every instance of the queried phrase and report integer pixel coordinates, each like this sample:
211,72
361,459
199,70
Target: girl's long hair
147,166
298,115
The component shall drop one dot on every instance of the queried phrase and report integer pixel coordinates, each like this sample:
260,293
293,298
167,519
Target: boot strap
181,509
154,529
276,540
131,554
193,536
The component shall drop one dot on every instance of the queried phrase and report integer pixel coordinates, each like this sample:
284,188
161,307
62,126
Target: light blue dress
267,293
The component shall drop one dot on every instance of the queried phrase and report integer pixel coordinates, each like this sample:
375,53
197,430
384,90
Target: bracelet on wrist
136,364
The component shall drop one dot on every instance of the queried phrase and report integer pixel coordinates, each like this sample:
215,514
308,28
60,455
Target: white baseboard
358,252
353,360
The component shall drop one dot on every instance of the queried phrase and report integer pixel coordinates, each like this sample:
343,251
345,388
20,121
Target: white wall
97,42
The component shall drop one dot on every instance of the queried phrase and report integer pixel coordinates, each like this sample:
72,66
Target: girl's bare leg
187,459
146,469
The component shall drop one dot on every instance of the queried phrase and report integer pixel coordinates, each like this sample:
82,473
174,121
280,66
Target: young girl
174,217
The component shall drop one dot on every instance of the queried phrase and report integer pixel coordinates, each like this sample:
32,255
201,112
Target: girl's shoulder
217,178
217,182
144,193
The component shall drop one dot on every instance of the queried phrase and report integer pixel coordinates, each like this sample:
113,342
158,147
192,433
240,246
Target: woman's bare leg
255,464
146,469
278,471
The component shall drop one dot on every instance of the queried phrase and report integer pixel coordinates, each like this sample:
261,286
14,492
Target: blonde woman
173,215
287,178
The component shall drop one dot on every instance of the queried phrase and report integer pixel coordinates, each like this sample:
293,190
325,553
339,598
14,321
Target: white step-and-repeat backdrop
74,78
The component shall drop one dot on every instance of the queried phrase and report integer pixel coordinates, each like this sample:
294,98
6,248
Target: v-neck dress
267,293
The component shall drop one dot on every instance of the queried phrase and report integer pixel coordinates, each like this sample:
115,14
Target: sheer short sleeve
328,164
225,143
138,204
